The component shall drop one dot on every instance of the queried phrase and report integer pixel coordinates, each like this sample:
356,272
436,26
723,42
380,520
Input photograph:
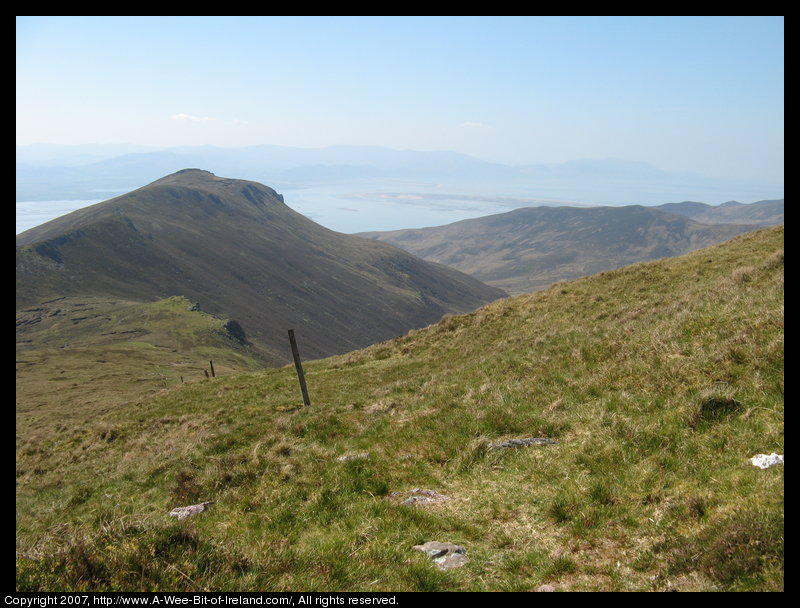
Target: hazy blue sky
700,94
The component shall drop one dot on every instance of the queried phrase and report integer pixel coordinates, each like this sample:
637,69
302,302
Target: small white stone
763,461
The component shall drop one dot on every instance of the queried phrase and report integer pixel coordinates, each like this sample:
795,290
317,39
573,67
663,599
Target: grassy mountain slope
75,354
530,248
658,381
238,250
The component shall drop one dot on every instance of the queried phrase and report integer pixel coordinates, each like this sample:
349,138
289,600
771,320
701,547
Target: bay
34,213
349,208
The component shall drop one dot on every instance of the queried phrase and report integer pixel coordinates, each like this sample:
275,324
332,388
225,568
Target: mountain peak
237,247
190,176
193,172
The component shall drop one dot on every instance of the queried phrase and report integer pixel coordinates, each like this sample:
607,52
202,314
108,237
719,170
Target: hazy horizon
700,95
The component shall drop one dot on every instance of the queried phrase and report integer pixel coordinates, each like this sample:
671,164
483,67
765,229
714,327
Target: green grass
74,351
658,380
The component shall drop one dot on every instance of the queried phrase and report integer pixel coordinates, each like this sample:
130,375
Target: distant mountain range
235,248
760,214
48,172
531,248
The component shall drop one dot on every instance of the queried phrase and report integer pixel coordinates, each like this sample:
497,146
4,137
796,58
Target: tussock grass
659,381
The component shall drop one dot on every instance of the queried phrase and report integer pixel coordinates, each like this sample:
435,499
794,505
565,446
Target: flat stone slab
183,512
513,443
419,496
444,555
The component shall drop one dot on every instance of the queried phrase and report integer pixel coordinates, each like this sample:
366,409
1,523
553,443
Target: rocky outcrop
444,555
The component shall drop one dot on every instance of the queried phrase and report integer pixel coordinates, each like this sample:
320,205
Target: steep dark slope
238,250
530,248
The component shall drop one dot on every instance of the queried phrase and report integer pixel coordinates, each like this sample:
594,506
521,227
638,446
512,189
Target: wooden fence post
299,367
213,375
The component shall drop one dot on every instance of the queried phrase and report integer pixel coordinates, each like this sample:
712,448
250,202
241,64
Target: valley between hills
531,248
152,374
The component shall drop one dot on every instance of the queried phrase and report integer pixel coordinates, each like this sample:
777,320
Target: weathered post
299,367
213,375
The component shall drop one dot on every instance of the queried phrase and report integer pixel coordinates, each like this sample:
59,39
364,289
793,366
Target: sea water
366,205
349,208
33,213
